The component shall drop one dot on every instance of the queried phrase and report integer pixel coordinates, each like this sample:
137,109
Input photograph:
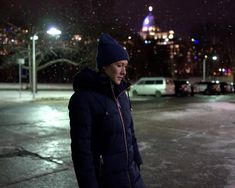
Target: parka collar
91,80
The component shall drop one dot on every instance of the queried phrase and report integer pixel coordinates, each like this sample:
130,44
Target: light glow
35,37
171,36
53,31
214,58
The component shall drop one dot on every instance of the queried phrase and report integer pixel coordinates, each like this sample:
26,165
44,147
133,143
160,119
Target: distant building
164,44
11,35
150,31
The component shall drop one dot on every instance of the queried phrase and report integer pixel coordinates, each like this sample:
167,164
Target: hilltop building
164,46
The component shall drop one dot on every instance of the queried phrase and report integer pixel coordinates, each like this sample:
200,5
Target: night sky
179,15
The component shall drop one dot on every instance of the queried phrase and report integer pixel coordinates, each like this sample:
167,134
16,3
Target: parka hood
91,80
86,78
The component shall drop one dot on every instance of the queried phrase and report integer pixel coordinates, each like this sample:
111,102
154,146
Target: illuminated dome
151,31
149,23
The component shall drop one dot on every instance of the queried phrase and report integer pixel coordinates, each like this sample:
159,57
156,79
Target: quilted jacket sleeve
80,132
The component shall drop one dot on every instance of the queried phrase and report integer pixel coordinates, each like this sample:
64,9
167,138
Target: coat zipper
124,131
101,165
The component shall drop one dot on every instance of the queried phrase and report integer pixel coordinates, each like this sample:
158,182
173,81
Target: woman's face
116,71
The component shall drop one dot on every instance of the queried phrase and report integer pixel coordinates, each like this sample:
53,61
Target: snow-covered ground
20,96
11,92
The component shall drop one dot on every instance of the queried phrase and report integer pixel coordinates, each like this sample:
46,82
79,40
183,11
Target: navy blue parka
103,143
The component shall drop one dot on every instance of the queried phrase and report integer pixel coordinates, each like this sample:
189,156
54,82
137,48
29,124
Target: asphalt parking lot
184,142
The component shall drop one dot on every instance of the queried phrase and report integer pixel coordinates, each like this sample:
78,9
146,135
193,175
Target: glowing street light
214,58
52,31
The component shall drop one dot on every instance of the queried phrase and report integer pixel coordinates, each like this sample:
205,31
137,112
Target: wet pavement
188,145
35,145
185,142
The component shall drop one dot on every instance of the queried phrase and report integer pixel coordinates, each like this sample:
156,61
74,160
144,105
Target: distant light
145,28
171,36
214,58
77,37
177,46
151,28
164,36
147,42
129,37
195,41
150,8
35,37
53,31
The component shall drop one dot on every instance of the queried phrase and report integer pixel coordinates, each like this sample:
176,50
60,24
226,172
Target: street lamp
21,62
204,68
34,38
214,58
52,31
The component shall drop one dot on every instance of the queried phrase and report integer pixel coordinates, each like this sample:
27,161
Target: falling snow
169,14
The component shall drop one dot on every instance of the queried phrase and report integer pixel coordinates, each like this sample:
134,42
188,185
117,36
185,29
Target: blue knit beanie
109,51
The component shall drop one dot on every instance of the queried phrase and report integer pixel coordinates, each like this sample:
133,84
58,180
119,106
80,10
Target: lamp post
204,68
20,62
214,58
52,31
34,76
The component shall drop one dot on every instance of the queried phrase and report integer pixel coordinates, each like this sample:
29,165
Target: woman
104,148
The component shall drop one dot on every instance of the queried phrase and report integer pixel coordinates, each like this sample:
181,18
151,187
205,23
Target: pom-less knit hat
109,51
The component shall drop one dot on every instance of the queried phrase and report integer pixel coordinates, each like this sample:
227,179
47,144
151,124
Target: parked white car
156,86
